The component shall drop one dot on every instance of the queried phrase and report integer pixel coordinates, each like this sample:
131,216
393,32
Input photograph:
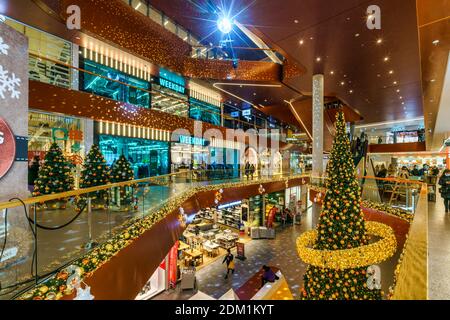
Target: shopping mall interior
170,150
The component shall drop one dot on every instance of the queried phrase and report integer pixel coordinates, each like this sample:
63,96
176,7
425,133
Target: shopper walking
268,276
229,259
444,182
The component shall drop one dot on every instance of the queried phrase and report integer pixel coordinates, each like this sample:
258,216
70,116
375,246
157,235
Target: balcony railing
47,233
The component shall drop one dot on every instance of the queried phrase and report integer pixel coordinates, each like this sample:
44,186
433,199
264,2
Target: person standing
444,182
229,259
404,173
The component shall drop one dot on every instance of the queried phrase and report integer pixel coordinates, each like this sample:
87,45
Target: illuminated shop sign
192,140
171,85
171,81
247,112
235,114
7,148
231,204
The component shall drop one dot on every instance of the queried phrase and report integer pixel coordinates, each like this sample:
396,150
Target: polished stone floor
438,251
279,252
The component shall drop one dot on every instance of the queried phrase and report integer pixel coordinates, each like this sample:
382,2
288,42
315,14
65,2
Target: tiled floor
438,251
280,252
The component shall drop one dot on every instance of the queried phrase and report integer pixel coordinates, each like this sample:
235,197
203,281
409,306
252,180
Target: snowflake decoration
3,47
9,83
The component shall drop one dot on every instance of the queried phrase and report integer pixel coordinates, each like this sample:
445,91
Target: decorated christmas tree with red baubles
95,173
54,175
121,171
338,251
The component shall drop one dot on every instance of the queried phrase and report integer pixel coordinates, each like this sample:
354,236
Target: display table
211,247
194,254
262,233
183,246
227,241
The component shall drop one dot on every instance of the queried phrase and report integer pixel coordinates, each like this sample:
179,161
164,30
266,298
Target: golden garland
349,258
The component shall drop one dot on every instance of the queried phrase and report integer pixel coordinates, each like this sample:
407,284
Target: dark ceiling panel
336,32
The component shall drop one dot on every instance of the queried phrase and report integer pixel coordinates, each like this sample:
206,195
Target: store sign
173,259
171,85
60,134
232,204
247,112
192,140
7,148
240,250
234,114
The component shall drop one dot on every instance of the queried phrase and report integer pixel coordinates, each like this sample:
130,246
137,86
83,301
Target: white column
76,64
317,127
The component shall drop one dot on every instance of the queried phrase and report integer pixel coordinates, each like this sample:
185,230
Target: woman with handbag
444,182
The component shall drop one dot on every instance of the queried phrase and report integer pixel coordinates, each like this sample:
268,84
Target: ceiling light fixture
386,59
224,25
395,82
331,72
342,83
357,35
379,41
436,42
391,71
433,80
351,91
318,59
398,90
137,7
301,42
296,21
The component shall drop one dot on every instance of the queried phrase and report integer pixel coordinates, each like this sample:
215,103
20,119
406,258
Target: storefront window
98,85
170,94
204,112
67,132
147,157
43,45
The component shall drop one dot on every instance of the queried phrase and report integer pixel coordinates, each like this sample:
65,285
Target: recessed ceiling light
295,21
379,41
433,80
357,35
254,93
436,42
301,42
386,59
378,75
318,59
391,71
401,97
351,91
331,72
342,83
403,103
395,82
311,38
398,90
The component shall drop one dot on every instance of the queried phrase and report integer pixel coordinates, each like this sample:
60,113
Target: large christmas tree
341,227
95,173
122,171
54,175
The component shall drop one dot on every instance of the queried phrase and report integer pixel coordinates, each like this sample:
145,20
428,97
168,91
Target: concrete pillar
317,128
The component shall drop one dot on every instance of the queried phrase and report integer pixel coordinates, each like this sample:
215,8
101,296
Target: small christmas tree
54,175
341,226
122,171
95,173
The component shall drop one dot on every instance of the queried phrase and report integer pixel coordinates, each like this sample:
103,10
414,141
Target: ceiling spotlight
301,42
436,42
398,90
386,59
254,93
433,80
331,72
311,38
295,21
395,82
401,97
351,91
403,103
379,41
342,83
391,71
318,59
357,35
379,75
224,24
